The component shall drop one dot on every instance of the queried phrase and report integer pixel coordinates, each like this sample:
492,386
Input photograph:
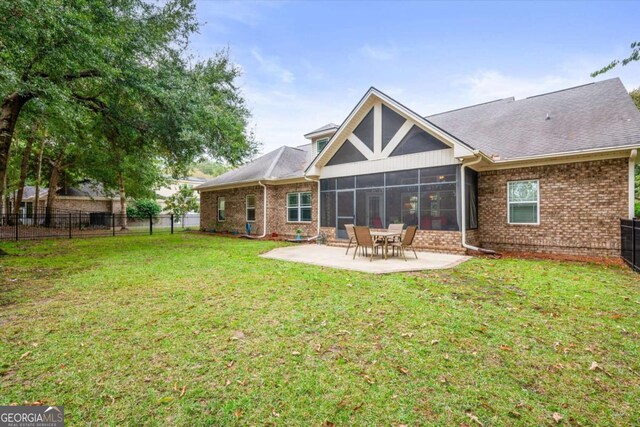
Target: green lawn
189,329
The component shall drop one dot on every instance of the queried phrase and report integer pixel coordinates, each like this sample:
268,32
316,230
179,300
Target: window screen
391,123
347,153
364,130
523,202
418,141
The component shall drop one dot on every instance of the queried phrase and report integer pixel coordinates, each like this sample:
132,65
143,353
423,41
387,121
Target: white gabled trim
361,146
397,138
377,129
461,150
632,182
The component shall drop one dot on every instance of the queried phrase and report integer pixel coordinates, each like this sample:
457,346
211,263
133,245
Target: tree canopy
633,56
114,94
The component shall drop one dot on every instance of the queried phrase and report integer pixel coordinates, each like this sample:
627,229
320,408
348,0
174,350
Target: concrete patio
334,257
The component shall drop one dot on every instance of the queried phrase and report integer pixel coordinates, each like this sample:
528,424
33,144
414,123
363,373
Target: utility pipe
632,164
264,210
318,192
463,204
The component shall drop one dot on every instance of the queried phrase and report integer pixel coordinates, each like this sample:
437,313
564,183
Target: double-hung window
321,143
299,207
221,216
251,208
523,202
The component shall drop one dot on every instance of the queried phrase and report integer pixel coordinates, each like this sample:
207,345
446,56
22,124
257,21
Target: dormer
321,136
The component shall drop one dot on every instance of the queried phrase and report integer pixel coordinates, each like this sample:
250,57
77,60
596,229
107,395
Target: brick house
86,197
551,173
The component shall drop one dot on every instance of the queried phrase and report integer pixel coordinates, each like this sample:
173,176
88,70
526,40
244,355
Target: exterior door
346,206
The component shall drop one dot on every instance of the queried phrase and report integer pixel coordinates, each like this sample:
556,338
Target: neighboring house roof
30,192
88,189
283,163
593,116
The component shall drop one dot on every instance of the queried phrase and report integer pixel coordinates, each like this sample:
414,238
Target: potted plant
299,234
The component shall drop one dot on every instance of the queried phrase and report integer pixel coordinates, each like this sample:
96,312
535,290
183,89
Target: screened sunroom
429,198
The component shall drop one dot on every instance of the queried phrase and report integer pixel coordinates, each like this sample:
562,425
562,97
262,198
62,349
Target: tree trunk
123,202
54,179
9,112
23,174
36,200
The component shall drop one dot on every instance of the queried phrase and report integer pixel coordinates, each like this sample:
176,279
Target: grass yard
189,329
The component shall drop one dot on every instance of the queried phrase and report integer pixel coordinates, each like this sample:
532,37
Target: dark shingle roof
285,162
328,126
592,116
84,189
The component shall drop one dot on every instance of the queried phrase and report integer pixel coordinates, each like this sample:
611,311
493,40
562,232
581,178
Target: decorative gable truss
381,128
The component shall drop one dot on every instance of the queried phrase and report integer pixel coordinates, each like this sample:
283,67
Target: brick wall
277,209
84,205
235,201
580,208
235,209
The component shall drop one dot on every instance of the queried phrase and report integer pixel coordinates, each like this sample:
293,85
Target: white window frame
224,209
325,141
509,202
299,206
247,207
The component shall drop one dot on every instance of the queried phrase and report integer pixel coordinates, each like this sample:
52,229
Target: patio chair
350,234
395,228
365,241
406,242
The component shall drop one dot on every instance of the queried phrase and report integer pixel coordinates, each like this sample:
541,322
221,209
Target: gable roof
597,115
322,130
283,163
460,147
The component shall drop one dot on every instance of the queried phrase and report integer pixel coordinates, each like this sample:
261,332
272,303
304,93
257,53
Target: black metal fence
630,247
57,223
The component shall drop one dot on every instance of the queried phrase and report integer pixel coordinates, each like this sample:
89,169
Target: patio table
385,235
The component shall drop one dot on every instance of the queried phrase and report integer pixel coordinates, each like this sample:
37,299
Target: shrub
637,209
144,208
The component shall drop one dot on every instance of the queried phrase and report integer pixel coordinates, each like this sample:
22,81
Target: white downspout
632,181
318,193
463,225
264,210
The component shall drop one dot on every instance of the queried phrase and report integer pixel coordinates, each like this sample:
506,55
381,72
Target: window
251,207
221,216
523,202
299,207
322,143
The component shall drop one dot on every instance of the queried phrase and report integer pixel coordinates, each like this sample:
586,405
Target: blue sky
306,64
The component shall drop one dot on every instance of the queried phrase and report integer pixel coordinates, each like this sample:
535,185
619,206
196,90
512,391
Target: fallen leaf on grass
25,355
434,342
166,399
407,335
183,391
295,353
474,418
328,424
403,370
556,417
505,348
594,366
238,413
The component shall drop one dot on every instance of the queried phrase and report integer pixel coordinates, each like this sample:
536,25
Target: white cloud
488,85
379,53
271,66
